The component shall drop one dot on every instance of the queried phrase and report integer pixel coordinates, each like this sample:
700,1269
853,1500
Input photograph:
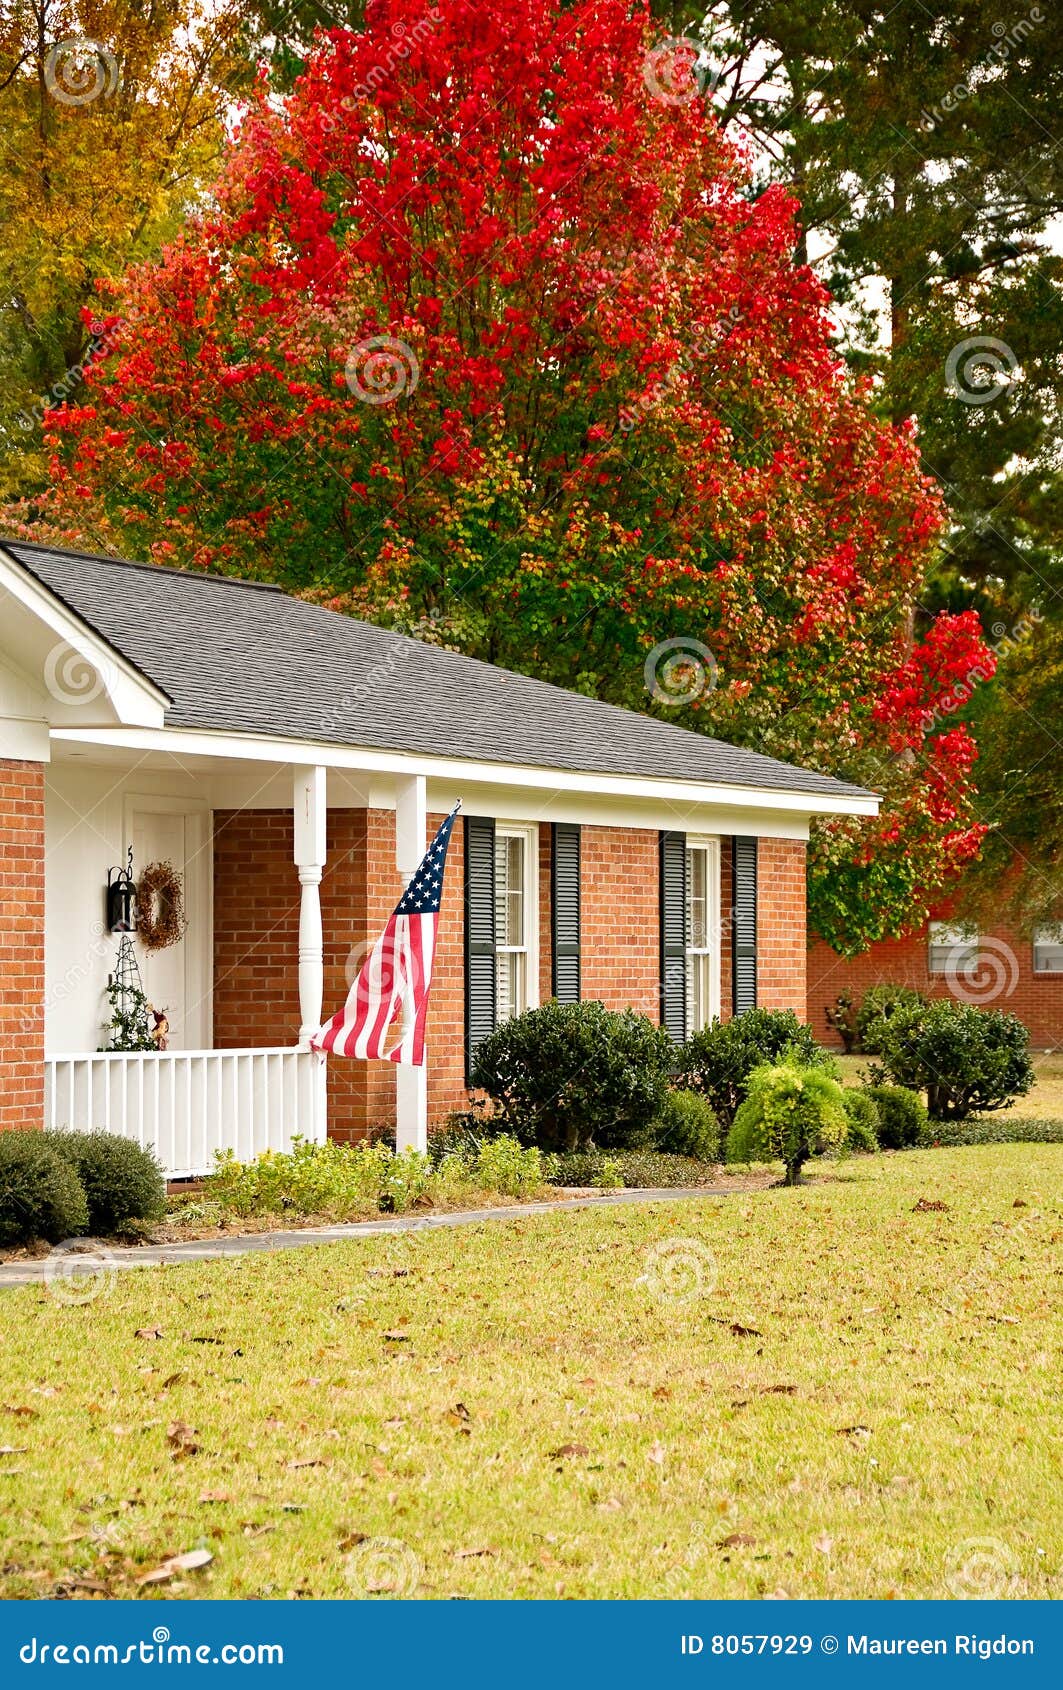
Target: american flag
396,976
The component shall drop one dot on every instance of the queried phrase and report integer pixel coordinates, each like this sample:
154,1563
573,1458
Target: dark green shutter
673,934
480,978
564,911
744,924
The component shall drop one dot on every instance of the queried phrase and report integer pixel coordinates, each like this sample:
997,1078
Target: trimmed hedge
789,1114
122,1181
953,1134
862,1121
570,1076
902,1117
967,1060
633,1169
41,1196
718,1060
687,1126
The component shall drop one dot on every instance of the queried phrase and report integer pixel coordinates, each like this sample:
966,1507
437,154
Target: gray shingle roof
242,656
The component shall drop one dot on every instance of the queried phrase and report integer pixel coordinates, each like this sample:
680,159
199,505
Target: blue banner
545,1645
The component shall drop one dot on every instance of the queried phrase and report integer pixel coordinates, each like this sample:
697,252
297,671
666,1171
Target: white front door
177,979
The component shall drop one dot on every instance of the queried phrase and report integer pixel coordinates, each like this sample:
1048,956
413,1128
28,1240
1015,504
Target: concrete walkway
87,1258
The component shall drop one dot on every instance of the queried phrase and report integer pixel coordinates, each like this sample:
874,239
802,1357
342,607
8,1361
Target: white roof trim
136,701
197,742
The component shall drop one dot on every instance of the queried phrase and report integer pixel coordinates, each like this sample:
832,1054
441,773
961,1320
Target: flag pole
411,1083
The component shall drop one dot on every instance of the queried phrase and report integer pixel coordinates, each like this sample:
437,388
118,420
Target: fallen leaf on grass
568,1449
926,1206
22,1410
736,1328
777,1390
471,1554
853,1431
9,1449
216,1496
657,1454
181,1439
395,1337
736,1540
186,1563
824,1544
148,1332
308,1461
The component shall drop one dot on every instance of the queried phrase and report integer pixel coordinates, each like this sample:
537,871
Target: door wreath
160,907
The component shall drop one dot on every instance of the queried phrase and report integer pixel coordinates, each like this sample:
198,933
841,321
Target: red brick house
997,968
288,762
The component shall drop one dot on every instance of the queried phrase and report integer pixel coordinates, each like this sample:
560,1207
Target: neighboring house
288,762
997,969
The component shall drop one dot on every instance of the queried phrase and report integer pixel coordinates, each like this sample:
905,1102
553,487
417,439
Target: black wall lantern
122,898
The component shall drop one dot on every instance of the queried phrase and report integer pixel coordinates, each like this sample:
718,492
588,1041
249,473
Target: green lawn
820,1392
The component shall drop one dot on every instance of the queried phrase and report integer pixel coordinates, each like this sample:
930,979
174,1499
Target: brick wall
781,950
620,918
1009,981
21,944
256,928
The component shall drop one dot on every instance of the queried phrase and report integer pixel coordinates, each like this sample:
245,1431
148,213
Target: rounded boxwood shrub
789,1114
687,1126
122,1181
41,1195
572,1075
965,1059
878,1004
902,1117
718,1060
862,1120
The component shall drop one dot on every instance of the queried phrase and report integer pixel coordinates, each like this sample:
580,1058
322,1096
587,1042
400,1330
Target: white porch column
411,1084
309,804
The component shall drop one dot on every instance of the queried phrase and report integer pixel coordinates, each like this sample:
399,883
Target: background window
953,947
514,921
1048,950
702,933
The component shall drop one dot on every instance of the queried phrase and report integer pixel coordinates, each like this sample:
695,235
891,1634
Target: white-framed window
516,919
702,931
952,947
1048,949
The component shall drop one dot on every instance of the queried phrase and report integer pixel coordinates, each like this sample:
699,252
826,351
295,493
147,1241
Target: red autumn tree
486,334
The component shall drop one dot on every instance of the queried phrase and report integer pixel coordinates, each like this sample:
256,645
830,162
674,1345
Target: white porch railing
187,1104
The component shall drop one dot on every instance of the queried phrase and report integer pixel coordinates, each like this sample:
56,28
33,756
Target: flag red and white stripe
396,977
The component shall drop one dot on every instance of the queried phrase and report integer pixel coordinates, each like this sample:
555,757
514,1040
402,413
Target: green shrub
878,1004
842,1017
656,1169
687,1126
583,1168
718,1060
342,1181
569,1076
122,1181
788,1115
902,1117
41,1195
965,1059
954,1133
861,1115
503,1164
